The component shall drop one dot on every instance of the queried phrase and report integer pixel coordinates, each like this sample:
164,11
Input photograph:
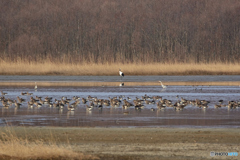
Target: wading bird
35,86
163,86
121,73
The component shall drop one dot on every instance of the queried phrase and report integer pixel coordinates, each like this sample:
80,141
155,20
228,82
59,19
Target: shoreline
102,84
137,143
165,73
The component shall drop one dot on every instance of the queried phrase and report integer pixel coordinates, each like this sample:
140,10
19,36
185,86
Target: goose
30,105
38,105
84,100
179,107
55,105
9,101
204,106
89,108
23,93
137,107
48,98
220,101
71,108
90,97
100,107
127,104
3,93
17,104
152,109
76,98
106,102
161,106
91,104
20,100
38,98
163,86
6,106
29,93
217,106
61,106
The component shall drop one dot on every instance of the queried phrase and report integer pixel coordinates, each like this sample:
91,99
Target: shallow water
190,116
117,78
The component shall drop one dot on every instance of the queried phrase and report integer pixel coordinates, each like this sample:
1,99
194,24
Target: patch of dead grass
54,68
13,147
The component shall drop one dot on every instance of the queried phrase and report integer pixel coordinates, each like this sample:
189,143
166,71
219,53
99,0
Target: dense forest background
125,31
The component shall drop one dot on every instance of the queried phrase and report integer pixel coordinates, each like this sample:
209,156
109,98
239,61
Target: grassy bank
24,145
50,68
116,143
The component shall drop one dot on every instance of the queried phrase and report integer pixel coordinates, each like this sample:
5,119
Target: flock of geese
120,101
156,102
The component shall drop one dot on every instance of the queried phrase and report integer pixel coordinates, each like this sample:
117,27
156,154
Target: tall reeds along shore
55,68
34,146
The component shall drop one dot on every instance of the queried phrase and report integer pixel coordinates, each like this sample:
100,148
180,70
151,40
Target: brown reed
51,68
13,146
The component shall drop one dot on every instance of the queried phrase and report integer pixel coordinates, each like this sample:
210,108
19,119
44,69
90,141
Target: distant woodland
123,31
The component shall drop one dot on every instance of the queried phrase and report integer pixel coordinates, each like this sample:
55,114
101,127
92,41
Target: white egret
163,86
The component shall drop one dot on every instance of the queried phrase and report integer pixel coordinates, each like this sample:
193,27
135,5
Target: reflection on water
190,116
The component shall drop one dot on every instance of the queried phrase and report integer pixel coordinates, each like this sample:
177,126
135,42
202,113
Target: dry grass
141,143
49,68
12,147
93,84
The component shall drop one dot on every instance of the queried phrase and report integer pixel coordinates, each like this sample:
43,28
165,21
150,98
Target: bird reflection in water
70,113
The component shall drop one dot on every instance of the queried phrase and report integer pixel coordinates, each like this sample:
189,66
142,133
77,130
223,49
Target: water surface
149,116
116,78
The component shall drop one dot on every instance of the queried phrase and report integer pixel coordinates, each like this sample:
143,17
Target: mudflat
136,143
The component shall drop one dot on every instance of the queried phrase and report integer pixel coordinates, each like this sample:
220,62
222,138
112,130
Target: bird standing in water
163,86
35,86
121,73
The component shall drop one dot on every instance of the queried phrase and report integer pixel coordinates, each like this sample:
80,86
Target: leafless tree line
125,31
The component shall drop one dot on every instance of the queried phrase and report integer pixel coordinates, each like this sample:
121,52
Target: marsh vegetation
52,68
97,37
